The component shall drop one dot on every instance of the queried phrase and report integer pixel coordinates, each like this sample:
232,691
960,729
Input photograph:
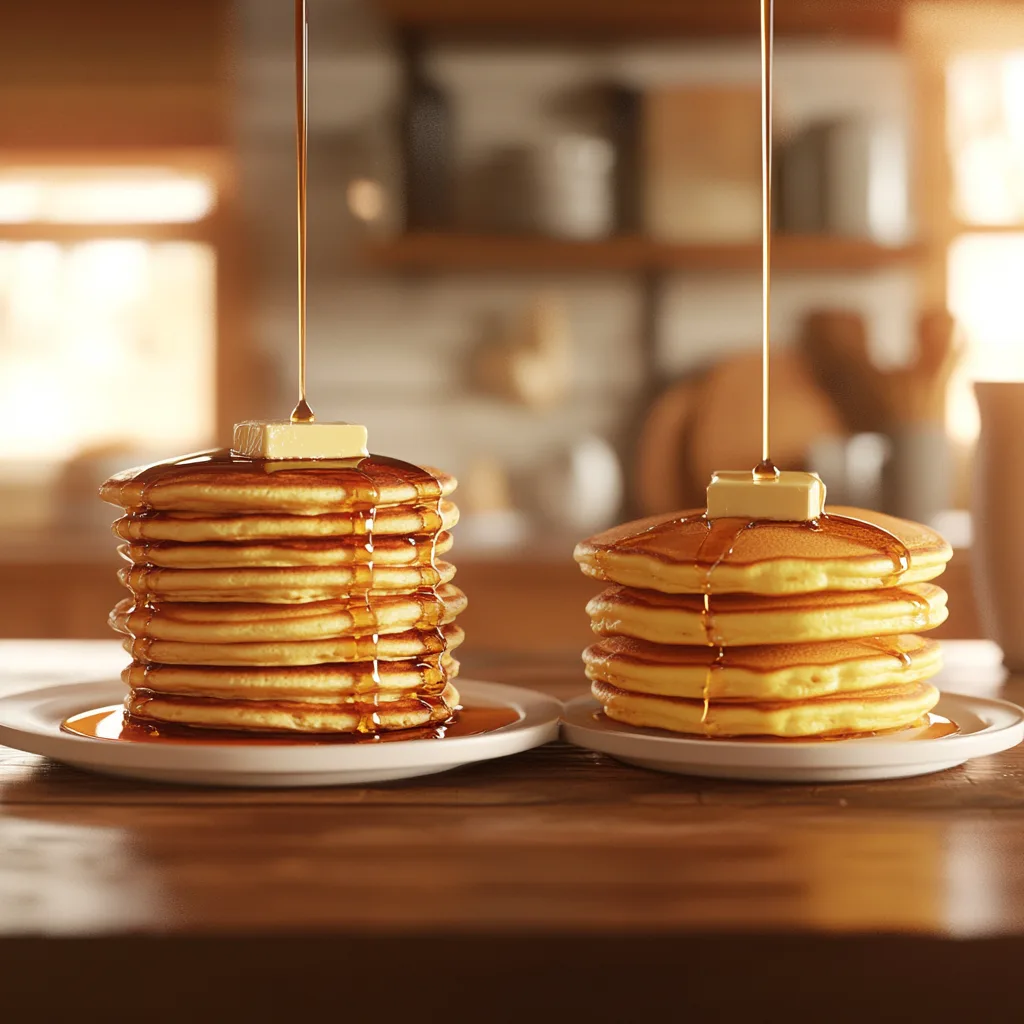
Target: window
985,258
106,336
103,195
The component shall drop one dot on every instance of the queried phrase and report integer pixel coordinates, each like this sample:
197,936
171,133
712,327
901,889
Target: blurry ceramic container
867,194
577,187
917,481
998,498
851,467
579,490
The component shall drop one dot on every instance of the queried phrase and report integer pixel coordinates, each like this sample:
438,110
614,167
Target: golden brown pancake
284,682
289,554
774,672
379,713
840,715
412,643
301,595
278,586
736,620
222,481
685,553
198,527
361,614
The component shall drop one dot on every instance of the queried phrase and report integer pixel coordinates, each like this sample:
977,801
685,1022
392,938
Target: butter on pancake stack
293,595
738,626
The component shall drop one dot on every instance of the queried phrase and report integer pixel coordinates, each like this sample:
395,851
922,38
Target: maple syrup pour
767,58
113,723
302,412
766,470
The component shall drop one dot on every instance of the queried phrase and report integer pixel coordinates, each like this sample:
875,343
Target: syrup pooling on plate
931,727
112,723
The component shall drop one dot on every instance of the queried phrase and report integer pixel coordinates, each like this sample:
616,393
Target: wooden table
557,884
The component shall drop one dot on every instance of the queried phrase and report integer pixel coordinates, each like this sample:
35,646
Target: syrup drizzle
363,480
361,477
302,413
766,470
718,544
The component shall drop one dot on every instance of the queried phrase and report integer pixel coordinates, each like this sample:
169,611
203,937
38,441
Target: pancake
685,553
289,553
197,528
232,623
383,714
775,672
841,715
223,481
736,620
412,643
287,596
296,585
326,682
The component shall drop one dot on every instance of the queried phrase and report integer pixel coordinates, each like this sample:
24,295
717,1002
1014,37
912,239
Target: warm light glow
103,195
105,341
986,136
985,132
986,296
365,199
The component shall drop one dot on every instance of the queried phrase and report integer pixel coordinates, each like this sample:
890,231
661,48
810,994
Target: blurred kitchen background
534,261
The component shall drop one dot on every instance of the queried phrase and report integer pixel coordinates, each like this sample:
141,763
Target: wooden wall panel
114,73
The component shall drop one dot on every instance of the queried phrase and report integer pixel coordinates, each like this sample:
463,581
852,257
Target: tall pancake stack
732,627
306,597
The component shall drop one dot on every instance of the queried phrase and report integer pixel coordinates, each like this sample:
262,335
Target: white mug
997,504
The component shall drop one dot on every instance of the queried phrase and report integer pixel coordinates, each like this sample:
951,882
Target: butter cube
792,496
282,439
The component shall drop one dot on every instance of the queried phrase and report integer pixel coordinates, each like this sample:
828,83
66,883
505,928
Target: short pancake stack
775,629
300,597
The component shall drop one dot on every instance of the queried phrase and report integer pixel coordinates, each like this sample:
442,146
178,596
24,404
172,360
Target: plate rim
539,721
624,740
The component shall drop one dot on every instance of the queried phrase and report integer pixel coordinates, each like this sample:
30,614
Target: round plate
31,721
986,727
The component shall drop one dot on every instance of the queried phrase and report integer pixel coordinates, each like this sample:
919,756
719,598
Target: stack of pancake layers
733,627
307,597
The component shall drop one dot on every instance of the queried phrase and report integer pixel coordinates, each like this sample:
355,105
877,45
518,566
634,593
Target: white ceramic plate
31,721
986,727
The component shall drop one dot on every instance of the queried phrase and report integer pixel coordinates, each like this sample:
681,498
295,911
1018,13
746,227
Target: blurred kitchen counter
522,600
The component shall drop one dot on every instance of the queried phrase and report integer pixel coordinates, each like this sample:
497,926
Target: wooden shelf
457,253
205,230
587,20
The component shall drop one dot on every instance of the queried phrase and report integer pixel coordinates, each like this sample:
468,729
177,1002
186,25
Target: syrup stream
767,57
302,412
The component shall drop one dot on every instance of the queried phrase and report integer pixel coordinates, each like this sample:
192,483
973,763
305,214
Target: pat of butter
282,439
790,496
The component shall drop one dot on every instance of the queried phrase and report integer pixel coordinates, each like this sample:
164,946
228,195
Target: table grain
556,878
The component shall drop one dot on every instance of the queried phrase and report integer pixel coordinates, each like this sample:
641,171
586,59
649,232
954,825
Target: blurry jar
576,187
